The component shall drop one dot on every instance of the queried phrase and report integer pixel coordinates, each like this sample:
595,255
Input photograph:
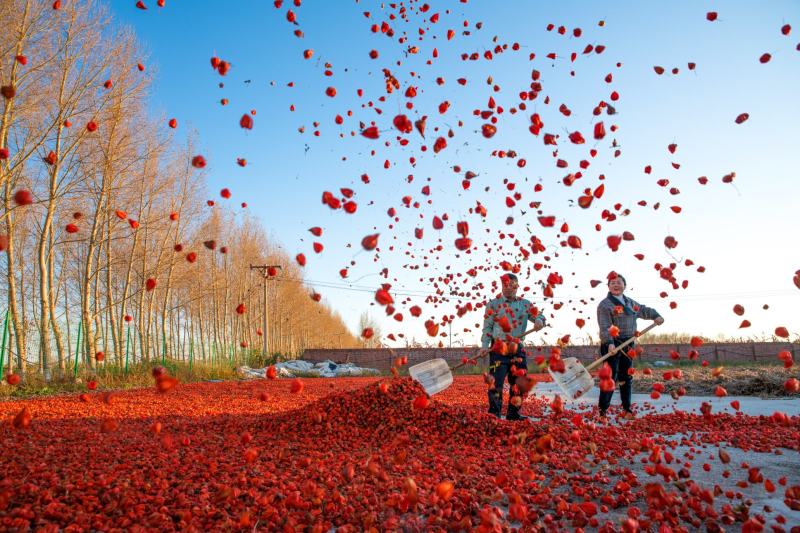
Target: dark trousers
500,368
620,363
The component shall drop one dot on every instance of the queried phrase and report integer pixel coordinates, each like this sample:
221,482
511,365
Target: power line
367,289
421,293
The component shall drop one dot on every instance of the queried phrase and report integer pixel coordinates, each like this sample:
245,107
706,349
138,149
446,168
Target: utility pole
267,272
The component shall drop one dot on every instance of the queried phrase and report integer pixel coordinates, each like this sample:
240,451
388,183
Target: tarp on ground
324,369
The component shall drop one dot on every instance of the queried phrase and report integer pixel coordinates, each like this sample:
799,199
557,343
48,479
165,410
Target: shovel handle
527,333
613,351
459,365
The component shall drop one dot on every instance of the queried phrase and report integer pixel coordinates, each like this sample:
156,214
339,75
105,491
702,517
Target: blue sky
744,233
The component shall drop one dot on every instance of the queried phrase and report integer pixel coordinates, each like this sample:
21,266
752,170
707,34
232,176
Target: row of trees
108,241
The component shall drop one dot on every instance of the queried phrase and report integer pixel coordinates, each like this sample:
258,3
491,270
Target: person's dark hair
509,276
620,276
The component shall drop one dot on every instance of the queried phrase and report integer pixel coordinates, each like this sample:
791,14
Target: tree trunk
52,299
19,330
89,277
110,307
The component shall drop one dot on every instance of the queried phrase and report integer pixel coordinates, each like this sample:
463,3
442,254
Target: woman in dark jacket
617,316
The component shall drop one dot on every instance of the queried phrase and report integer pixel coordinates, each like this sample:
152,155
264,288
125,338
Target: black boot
513,413
495,402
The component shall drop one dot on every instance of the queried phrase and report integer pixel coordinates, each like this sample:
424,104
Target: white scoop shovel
576,380
435,375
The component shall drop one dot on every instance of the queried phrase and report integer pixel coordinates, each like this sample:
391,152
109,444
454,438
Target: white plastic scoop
435,375
576,380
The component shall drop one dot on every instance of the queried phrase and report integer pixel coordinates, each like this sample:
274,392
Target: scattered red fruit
297,386
23,197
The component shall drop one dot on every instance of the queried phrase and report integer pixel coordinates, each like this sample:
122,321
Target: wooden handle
527,332
618,348
459,365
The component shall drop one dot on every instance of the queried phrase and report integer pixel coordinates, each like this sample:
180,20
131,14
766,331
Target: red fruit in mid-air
383,297
613,242
297,386
165,383
371,132
402,123
23,197
463,243
370,242
23,418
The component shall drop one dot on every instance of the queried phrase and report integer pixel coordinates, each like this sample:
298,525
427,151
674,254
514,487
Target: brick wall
720,353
